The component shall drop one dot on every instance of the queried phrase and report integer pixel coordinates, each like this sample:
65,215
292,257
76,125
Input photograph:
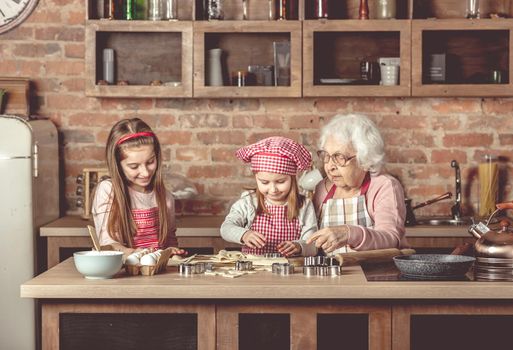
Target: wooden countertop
208,226
64,282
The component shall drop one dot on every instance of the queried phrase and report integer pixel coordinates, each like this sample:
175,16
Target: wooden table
223,313
203,232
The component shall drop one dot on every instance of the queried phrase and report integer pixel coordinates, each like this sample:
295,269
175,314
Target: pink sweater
385,204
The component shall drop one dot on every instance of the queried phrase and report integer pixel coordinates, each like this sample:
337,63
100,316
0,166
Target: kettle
491,243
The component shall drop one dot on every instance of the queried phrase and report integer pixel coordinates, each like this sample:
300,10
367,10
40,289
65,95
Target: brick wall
199,135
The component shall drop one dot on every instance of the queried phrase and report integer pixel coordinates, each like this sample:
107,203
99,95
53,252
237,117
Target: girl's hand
330,238
177,251
253,239
288,248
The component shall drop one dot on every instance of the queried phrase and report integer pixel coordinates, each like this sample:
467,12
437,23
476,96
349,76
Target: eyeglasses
338,158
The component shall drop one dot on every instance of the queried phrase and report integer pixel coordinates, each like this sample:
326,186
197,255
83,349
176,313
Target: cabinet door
244,44
295,326
151,59
334,52
461,57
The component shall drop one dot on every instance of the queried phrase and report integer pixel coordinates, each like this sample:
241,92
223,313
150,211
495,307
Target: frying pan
433,265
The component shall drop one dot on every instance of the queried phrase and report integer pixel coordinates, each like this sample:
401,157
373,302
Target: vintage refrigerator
29,192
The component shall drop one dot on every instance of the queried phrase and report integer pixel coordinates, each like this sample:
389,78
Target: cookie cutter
283,269
272,255
186,269
243,265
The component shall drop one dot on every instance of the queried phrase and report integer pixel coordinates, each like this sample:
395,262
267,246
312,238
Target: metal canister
199,267
334,270
309,271
243,265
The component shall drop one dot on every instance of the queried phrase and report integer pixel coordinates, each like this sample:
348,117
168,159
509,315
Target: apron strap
363,189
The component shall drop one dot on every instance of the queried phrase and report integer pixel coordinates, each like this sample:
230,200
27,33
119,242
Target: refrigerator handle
36,160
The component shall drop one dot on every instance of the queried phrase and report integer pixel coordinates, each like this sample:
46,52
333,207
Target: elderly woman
359,206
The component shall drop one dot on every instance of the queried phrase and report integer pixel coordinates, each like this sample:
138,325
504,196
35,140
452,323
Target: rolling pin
355,258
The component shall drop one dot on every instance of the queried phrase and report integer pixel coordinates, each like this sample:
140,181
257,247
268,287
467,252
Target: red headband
135,135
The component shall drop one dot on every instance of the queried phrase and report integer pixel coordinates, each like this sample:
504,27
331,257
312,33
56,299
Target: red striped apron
276,228
147,222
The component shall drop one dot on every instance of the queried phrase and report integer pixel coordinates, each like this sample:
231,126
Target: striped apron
345,211
276,228
147,222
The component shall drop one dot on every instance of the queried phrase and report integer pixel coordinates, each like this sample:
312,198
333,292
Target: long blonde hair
121,225
294,200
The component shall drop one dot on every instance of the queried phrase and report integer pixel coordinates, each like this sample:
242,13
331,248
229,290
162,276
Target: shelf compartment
454,9
348,10
144,52
246,43
94,10
257,10
334,49
473,50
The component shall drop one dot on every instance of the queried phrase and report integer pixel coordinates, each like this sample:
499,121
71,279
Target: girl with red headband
274,217
132,209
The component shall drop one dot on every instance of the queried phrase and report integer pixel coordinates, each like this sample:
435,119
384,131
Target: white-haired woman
359,206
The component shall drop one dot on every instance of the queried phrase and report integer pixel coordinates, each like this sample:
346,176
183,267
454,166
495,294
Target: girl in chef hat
274,217
132,209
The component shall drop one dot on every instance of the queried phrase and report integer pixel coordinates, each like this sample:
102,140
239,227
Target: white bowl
98,265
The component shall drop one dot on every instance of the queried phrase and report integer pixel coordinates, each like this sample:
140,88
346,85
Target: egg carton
150,270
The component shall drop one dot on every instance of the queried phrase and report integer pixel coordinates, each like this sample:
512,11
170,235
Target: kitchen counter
63,281
202,232
229,311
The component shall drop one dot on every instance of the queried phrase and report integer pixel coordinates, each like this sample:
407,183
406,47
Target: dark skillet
433,265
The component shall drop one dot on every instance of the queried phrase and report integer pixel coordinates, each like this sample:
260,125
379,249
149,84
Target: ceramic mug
389,75
310,179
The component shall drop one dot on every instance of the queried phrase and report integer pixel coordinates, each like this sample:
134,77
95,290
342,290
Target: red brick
47,85
126,104
288,104
302,121
427,191
243,121
455,105
468,140
94,119
194,154
431,171
445,156
232,189
67,102
221,137
75,17
506,139
268,121
224,155
174,137
445,122
499,106
65,67
215,171
91,153
166,121
74,84
204,121
415,156
371,105
403,122
62,33
46,15
257,136
37,50
19,68
204,206
73,50
332,105
21,32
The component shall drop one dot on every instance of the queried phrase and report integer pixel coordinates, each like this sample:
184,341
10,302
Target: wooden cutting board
16,100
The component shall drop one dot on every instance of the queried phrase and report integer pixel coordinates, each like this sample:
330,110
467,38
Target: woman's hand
253,239
288,248
330,238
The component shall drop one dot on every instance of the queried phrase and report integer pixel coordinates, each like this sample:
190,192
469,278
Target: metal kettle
491,243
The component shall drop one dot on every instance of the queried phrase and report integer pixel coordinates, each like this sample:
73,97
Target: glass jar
155,10
321,9
386,9
215,9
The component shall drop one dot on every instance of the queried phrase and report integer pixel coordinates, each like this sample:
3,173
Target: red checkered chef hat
276,154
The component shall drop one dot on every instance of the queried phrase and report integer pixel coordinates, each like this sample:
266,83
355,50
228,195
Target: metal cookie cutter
200,267
272,255
283,269
321,266
187,269
243,265
309,271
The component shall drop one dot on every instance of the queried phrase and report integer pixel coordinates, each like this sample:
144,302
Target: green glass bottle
141,9
129,9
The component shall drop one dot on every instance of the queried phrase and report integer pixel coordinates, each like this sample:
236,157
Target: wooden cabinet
334,50
426,37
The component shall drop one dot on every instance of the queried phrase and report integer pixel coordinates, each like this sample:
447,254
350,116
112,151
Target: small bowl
98,265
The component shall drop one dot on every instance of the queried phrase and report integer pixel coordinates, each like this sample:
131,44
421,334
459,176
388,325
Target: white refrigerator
29,192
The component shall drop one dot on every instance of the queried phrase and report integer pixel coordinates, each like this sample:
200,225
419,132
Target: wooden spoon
94,237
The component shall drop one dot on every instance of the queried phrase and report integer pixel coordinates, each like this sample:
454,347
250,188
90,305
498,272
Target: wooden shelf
145,51
334,49
473,49
244,43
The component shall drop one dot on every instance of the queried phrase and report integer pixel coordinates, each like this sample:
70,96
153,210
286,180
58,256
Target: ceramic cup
389,75
310,179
